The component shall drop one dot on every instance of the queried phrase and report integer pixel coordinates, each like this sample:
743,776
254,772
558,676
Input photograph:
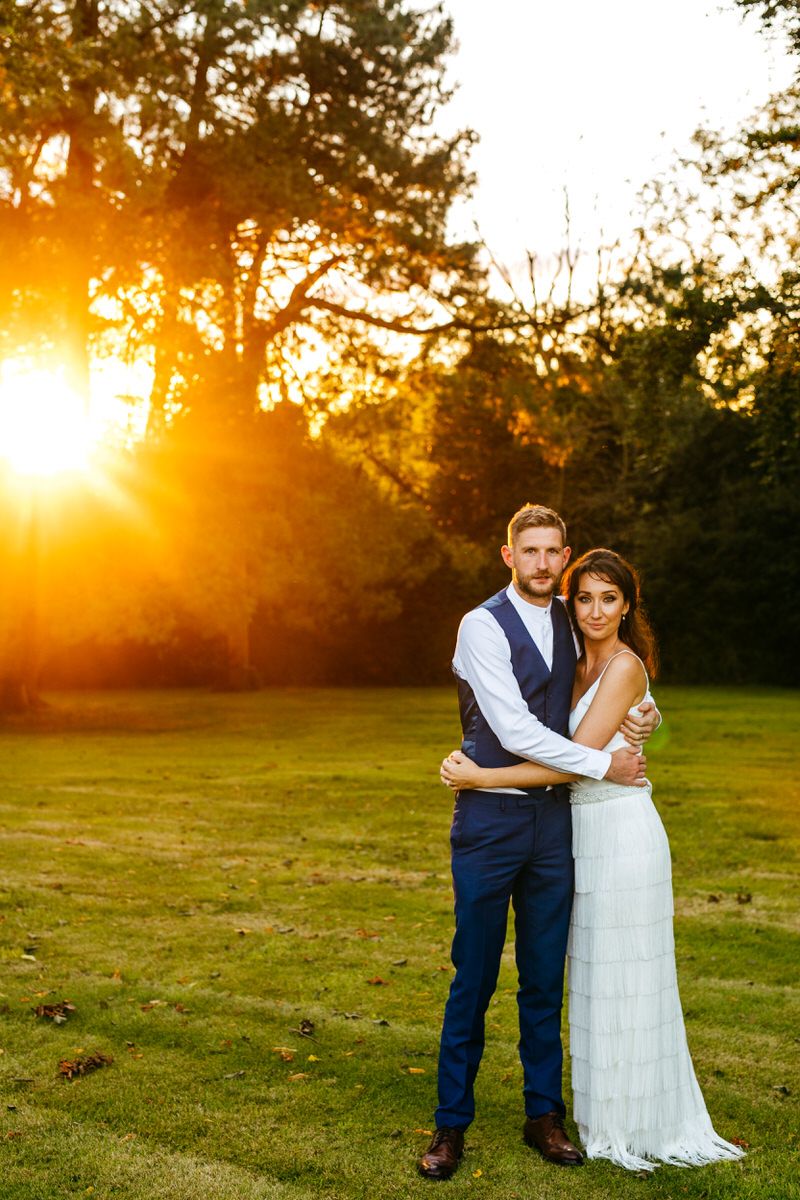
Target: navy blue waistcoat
547,693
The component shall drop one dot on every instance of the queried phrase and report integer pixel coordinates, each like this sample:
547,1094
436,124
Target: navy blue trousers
519,849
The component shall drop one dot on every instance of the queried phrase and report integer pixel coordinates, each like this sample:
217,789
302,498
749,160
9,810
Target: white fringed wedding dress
636,1098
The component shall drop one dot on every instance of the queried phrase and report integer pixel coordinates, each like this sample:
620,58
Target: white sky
597,96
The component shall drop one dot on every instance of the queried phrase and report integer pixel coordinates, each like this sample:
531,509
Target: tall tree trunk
79,215
240,674
22,661
21,664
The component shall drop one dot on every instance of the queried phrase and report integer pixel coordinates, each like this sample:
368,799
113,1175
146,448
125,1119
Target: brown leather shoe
441,1158
547,1134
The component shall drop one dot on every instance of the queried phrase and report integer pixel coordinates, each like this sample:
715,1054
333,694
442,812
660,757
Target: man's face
537,560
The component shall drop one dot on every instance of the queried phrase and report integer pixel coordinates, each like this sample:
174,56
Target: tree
251,176
216,188
783,14
262,525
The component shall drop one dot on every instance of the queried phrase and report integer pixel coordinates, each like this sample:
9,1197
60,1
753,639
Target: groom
515,664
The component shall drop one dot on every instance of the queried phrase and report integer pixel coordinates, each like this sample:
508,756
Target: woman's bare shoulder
625,670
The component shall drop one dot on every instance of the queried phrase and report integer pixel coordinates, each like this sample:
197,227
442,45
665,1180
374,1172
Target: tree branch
298,300
400,325
395,325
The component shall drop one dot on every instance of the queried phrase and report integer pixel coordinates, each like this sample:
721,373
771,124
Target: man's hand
637,729
627,767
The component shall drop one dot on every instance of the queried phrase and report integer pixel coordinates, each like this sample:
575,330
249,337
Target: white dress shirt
483,658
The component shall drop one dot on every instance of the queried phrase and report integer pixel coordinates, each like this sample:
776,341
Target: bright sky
597,97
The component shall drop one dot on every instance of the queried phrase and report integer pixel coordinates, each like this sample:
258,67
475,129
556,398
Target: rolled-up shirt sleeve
483,659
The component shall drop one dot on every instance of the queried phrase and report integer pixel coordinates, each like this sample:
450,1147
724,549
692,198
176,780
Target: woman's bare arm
623,685
458,771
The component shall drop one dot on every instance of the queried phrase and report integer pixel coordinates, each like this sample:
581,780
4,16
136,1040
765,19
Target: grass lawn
201,875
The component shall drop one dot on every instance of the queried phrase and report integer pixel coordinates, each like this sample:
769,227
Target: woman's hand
459,771
637,728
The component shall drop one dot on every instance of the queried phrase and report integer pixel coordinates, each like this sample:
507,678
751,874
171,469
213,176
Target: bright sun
44,427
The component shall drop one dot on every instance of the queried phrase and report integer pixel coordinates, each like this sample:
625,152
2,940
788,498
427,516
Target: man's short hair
535,516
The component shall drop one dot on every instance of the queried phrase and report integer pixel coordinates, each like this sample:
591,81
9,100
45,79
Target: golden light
44,426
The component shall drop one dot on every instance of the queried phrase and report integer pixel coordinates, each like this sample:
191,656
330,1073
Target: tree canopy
251,201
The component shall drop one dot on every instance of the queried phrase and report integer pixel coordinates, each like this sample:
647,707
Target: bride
636,1098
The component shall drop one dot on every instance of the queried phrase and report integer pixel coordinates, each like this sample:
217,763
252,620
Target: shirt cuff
597,763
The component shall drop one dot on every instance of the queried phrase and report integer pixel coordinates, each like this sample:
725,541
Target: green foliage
235,192
229,173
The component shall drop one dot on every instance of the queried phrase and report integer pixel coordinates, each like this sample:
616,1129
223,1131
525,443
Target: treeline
344,412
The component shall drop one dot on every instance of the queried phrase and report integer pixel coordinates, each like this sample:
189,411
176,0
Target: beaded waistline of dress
593,791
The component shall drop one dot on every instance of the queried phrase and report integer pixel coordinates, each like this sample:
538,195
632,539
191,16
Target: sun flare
44,427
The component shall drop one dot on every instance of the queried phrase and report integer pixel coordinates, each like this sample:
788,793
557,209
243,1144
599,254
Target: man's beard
538,586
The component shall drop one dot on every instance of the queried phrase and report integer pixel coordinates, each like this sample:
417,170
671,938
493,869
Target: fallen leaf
427,1132
54,1012
128,1137
299,1075
242,932
376,981
367,933
416,1070
82,1066
477,1174
286,1052
312,1058
712,899
743,897
234,1075
740,1142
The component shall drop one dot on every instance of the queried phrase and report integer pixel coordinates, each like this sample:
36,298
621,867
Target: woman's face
599,607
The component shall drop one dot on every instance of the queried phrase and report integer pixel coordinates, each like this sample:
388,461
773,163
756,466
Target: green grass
250,862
